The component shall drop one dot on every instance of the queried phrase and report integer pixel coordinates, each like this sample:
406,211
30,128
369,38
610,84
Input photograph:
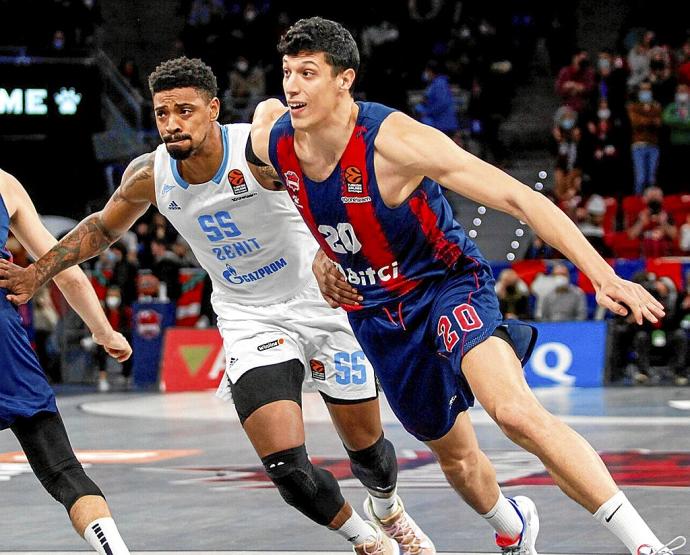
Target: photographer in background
654,226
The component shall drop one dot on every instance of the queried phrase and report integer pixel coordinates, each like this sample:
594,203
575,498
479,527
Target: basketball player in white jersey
277,330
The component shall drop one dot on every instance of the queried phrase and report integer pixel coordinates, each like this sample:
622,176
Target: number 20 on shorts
466,318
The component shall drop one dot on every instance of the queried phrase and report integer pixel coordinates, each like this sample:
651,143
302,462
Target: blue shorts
24,389
417,342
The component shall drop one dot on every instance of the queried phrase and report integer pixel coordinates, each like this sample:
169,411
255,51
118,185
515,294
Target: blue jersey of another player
384,252
24,390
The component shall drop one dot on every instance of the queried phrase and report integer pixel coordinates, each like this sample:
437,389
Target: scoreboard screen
49,98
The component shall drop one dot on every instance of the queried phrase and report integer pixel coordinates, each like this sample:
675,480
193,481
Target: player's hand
20,282
621,296
114,344
334,288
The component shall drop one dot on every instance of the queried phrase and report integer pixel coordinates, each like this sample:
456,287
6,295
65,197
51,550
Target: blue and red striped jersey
4,231
384,252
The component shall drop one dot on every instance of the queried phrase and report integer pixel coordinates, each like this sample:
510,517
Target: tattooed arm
267,177
92,236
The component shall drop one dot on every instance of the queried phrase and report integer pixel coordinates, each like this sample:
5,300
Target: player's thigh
358,423
496,377
268,401
458,443
275,427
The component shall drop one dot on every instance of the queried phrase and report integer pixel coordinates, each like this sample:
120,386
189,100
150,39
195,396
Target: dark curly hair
184,72
316,34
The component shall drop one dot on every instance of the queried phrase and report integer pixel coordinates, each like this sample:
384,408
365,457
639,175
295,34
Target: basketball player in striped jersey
277,329
419,294
27,402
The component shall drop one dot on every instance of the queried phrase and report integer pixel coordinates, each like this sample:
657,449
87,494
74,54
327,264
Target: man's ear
346,79
215,108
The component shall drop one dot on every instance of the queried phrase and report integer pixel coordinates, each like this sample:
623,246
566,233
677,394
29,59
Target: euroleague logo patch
353,186
270,345
353,180
318,371
237,182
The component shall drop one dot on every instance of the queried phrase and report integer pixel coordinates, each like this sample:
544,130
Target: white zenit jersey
251,241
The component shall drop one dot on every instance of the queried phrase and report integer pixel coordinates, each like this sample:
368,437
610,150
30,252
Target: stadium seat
678,206
632,206
622,245
610,215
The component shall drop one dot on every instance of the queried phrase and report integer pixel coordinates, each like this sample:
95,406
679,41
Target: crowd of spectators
464,57
622,137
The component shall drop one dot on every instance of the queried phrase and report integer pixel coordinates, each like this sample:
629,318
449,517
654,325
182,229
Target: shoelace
403,533
377,547
670,547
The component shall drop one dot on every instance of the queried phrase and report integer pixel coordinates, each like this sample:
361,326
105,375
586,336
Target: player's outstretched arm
32,234
417,150
92,236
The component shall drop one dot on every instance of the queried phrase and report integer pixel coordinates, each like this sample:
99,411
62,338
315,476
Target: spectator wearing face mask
604,142
120,316
592,225
437,109
676,117
662,78
638,60
568,173
576,82
611,81
654,226
566,302
513,295
645,123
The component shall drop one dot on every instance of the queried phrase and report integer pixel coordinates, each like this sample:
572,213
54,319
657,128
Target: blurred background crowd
596,94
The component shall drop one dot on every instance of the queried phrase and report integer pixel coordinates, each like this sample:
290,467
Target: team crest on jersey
291,181
318,370
167,188
237,182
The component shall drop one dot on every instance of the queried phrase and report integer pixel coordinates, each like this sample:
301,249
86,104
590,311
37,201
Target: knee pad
376,466
312,491
67,482
46,446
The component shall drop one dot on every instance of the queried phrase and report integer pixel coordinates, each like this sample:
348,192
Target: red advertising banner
193,359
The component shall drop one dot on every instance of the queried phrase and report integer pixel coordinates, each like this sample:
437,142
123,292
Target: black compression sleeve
251,156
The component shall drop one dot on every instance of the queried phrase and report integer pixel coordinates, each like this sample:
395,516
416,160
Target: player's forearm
77,289
554,227
85,241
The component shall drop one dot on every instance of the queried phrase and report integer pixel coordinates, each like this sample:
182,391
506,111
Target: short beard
177,154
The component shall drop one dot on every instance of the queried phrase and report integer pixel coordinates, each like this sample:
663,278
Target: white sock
504,519
620,518
103,536
384,507
356,530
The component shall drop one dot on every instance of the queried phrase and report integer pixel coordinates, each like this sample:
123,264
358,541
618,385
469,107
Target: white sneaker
668,549
525,544
380,545
103,386
402,529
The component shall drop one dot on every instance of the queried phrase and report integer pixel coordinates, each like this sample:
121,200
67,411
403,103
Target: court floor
181,477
